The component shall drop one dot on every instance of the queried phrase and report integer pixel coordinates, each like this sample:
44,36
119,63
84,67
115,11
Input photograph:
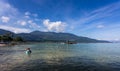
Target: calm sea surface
61,57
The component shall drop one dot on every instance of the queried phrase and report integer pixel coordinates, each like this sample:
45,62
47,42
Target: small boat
71,42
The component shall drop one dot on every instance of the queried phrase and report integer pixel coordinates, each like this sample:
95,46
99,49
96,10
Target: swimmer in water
28,51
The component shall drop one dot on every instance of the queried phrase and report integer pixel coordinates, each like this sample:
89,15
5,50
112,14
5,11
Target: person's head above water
27,48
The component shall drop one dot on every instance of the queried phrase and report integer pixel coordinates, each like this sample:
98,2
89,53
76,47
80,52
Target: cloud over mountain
5,19
57,26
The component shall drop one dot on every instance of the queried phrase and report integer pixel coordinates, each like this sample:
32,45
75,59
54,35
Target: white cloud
15,30
57,26
33,24
97,15
23,23
27,16
13,17
30,21
117,39
27,13
100,26
7,9
5,19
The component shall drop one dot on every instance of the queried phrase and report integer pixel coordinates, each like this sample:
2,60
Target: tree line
8,37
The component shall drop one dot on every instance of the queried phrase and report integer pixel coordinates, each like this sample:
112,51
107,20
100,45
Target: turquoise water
61,57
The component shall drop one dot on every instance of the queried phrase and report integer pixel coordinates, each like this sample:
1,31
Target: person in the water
28,51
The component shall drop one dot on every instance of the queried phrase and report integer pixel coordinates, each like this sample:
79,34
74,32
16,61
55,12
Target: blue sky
99,19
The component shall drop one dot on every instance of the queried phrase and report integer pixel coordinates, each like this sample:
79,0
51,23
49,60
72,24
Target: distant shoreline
19,43
1,45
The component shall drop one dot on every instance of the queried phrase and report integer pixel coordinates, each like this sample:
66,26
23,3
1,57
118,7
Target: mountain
38,36
2,32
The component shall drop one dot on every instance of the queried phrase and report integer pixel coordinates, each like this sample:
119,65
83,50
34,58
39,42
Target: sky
98,19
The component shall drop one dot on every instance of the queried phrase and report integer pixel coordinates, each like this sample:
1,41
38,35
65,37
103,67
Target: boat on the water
71,42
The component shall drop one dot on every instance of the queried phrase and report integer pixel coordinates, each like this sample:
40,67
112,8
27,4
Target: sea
61,57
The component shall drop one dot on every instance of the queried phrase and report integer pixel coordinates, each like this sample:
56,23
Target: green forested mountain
38,36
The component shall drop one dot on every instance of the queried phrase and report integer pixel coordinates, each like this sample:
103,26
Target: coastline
18,43
2,45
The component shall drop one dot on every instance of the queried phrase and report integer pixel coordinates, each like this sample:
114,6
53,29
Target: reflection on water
61,57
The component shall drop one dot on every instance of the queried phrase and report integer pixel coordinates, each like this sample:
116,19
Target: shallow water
61,57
